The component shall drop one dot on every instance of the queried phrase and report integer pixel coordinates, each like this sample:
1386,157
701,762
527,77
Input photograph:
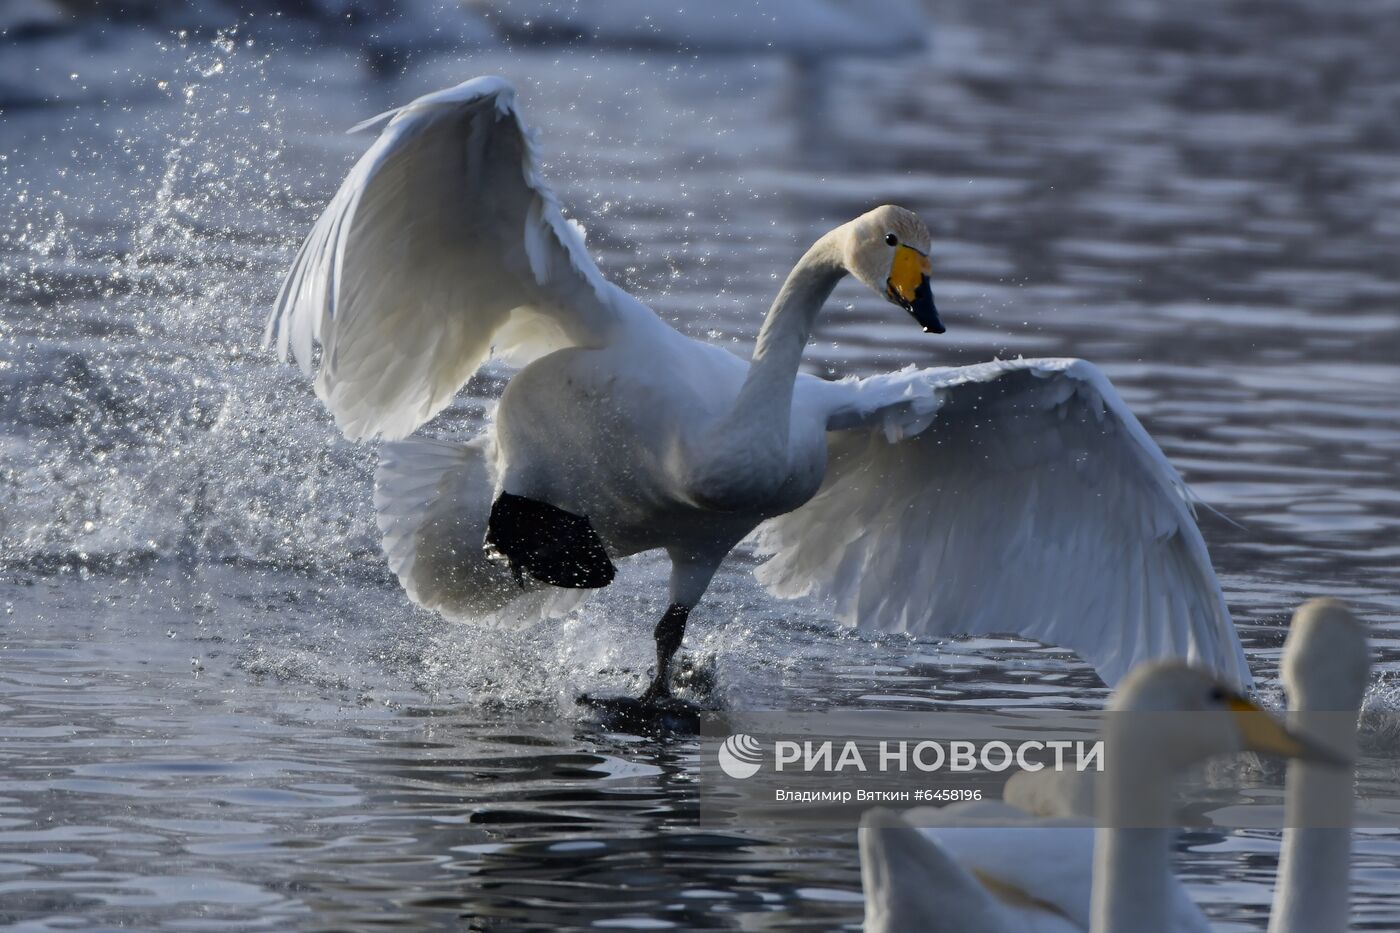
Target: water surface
219,711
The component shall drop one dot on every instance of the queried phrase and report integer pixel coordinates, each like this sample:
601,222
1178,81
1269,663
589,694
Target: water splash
144,425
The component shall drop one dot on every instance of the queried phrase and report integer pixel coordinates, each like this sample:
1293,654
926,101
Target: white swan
1017,497
1061,874
1326,667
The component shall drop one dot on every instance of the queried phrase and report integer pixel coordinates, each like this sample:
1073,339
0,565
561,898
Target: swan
1326,667
1015,872
1016,497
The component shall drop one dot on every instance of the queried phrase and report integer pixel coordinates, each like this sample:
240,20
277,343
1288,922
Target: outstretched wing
1010,497
442,242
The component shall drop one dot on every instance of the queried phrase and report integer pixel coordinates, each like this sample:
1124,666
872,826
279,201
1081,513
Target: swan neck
788,326
1132,847
1313,880
806,289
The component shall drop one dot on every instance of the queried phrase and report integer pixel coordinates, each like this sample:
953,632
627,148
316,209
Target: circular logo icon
740,756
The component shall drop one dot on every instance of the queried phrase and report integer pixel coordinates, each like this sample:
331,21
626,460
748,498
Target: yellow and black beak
1262,732
908,287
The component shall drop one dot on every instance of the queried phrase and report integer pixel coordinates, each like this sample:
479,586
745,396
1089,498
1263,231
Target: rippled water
220,712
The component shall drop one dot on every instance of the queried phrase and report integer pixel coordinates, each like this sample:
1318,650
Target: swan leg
669,633
691,572
657,709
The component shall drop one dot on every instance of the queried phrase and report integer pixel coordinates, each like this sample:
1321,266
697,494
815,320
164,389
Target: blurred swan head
1183,715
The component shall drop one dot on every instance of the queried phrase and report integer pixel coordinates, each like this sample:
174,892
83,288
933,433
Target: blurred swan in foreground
1009,497
1326,668
989,867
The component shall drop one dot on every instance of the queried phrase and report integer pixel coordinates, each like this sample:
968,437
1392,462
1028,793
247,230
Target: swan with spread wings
1017,497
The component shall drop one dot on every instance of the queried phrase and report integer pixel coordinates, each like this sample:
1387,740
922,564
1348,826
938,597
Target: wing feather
1007,498
441,239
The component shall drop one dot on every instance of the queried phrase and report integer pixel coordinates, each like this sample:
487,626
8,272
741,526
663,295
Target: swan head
888,250
900,871
1326,659
1184,715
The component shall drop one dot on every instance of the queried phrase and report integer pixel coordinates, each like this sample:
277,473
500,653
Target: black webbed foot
657,709
643,716
548,543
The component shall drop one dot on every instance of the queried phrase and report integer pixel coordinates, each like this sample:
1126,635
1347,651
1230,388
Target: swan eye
1217,695
891,239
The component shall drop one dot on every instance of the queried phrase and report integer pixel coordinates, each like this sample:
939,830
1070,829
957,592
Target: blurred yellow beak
1263,733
